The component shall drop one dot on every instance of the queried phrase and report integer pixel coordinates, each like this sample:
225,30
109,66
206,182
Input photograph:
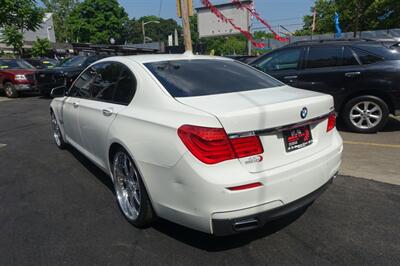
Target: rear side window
185,78
126,87
349,58
324,57
366,57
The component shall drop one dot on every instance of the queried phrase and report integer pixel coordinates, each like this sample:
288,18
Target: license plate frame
297,138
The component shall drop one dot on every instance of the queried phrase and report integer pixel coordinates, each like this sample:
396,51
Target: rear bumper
223,227
25,87
196,195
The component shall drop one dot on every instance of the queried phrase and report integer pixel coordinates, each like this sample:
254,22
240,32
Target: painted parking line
395,146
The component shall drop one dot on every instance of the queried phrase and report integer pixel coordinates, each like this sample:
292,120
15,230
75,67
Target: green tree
385,14
61,10
355,15
227,45
40,47
155,31
96,21
23,14
16,17
12,36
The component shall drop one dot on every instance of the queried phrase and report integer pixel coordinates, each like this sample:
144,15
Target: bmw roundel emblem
304,112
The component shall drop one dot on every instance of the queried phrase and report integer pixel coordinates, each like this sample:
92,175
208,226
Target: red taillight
247,186
331,122
212,145
209,145
247,146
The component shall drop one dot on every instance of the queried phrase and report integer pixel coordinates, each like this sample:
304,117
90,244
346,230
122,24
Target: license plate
297,138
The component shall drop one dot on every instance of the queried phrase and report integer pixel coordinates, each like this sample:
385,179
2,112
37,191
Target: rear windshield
186,78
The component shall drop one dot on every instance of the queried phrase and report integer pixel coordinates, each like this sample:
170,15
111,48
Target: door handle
290,77
75,104
352,74
107,111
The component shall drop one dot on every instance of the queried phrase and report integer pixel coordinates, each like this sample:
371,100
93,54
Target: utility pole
186,25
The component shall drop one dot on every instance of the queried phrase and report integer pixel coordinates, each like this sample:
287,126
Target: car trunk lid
267,113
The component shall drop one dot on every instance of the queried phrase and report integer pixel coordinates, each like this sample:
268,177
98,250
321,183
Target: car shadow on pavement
212,243
92,168
192,237
392,125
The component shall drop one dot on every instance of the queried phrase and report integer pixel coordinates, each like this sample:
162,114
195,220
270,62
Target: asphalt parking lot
56,208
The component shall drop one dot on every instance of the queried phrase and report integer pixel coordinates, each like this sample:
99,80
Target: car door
110,91
70,108
282,65
329,69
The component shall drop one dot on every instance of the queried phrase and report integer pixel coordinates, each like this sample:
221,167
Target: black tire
376,125
10,91
58,137
146,214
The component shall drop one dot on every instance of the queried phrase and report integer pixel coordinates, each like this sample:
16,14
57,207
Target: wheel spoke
358,109
376,117
355,116
359,123
375,108
369,123
366,104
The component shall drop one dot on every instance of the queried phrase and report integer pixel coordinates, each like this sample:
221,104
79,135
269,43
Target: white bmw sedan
205,142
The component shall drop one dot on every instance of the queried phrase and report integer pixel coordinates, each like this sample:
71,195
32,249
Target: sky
288,13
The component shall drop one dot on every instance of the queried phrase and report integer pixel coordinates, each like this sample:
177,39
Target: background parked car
243,58
63,74
42,63
16,75
363,76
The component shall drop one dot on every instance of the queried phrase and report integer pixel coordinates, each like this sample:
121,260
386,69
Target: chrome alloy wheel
366,115
127,187
56,130
8,91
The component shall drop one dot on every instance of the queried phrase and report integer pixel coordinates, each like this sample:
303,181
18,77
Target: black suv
363,76
63,74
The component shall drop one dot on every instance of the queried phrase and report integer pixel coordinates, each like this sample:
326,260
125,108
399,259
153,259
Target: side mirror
58,92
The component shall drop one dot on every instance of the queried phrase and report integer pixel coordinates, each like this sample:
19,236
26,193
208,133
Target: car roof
336,42
148,58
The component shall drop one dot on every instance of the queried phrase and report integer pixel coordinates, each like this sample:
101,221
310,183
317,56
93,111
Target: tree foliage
96,21
155,31
355,15
61,10
21,14
12,36
17,17
40,47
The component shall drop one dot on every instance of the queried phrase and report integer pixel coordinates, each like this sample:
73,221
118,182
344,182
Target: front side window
81,86
319,57
186,78
284,60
